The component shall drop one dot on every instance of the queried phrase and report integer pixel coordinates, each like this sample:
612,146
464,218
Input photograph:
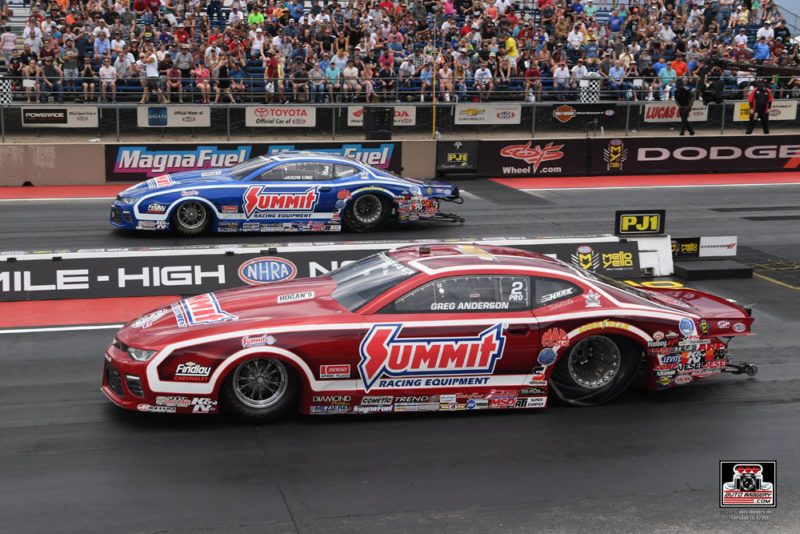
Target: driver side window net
482,293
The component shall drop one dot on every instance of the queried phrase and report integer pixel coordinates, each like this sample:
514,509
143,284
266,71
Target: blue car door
293,195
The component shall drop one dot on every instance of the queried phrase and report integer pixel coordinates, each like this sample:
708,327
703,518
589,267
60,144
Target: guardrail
338,119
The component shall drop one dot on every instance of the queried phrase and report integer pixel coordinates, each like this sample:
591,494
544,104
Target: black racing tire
260,389
595,370
367,213
191,217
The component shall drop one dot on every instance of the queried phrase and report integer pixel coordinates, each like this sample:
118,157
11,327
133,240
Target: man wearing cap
69,56
765,31
760,101
561,76
52,81
183,61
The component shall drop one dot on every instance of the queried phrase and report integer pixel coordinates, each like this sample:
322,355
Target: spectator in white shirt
108,79
766,31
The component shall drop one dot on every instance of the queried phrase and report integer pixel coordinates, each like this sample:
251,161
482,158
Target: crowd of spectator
385,50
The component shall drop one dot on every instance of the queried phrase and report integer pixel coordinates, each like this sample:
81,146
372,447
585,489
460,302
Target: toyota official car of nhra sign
291,191
422,328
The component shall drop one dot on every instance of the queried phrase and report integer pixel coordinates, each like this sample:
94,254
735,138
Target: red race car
422,328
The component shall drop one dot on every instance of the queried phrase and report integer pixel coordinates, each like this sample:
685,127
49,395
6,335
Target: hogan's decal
382,353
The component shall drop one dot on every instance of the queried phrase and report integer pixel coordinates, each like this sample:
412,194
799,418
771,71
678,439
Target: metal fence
332,120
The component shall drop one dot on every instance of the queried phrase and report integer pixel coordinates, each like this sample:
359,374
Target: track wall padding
51,164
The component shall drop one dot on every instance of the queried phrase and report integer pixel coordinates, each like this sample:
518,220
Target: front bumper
122,216
125,384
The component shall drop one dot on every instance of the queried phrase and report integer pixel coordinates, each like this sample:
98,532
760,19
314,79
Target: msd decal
382,353
257,199
202,309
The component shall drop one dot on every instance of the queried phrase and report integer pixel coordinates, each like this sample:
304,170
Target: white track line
60,328
467,194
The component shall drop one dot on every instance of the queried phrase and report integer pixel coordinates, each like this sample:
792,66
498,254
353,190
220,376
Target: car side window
340,170
471,294
552,290
300,171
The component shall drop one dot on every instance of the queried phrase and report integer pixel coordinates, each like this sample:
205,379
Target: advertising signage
131,163
532,158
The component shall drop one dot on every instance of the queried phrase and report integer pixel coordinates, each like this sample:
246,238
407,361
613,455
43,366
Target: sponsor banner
685,248
583,113
457,155
478,113
173,116
668,112
781,110
531,158
694,154
403,116
718,246
147,272
130,163
60,117
283,116
640,222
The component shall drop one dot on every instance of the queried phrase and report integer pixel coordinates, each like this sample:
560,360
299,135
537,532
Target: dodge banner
527,158
694,154
130,163
47,275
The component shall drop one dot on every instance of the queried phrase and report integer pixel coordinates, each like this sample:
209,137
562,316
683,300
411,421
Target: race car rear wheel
595,370
260,389
367,212
191,218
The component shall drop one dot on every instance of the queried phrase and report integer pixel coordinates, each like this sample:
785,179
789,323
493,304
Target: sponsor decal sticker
192,372
203,405
739,327
686,327
555,337
155,409
547,357
295,297
146,321
383,353
202,309
257,341
592,299
334,371
258,198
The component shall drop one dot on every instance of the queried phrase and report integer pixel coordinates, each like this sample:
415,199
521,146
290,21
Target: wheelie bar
738,368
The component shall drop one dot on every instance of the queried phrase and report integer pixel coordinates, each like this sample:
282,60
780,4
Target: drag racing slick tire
595,370
260,389
367,212
191,218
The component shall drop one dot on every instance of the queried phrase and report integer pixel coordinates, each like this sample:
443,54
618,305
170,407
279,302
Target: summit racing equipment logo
382,353
747,484
257,199
533,156
139,159
202,309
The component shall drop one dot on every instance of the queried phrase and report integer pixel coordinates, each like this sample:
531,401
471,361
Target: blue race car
291,191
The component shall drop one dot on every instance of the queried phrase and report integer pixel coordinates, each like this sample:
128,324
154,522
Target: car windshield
362,281
245,168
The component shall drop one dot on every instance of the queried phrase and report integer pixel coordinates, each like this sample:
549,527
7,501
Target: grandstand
500,51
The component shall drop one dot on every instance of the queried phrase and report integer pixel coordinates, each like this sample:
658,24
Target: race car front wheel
191,218
595,370
367,212
260,389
